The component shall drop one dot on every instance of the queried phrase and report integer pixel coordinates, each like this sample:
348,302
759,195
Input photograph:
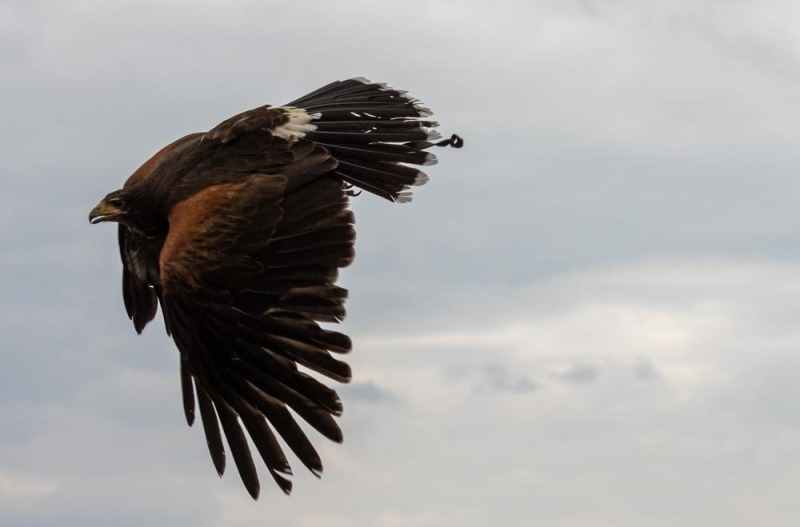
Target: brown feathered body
239,233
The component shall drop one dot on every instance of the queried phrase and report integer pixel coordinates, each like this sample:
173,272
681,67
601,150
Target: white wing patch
298,125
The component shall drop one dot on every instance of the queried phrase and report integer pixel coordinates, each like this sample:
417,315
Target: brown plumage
238,233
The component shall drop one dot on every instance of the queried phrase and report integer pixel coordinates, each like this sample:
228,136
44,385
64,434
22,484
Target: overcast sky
590,317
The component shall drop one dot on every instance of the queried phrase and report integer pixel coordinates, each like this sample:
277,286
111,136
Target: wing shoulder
149,166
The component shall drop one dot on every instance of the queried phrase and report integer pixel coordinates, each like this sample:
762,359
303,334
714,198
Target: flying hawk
239,233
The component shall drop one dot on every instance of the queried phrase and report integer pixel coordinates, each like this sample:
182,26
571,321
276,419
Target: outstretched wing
371,136
247,272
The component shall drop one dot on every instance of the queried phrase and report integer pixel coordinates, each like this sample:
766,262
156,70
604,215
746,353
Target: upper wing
246,273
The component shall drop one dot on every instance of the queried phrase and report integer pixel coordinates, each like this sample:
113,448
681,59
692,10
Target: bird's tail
375,132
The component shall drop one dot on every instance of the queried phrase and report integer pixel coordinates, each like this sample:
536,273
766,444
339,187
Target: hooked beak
103,212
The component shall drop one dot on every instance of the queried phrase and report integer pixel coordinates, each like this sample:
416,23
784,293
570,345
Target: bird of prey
238,234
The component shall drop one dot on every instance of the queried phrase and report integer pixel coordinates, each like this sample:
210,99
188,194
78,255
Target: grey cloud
645,370
502,378
369,392
580,374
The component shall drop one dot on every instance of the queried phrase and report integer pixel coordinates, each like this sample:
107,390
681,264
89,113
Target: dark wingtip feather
187,391
208,416
237,442
253,488
284,484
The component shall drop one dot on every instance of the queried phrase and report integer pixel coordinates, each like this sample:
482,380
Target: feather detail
373,131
